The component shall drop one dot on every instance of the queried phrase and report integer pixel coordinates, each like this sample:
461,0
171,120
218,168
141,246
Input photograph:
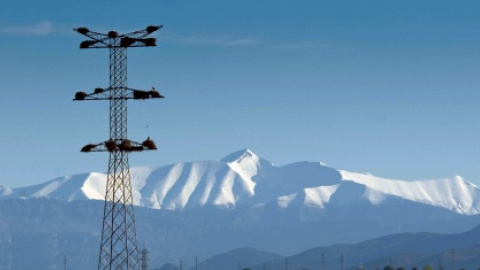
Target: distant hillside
407,249
238,258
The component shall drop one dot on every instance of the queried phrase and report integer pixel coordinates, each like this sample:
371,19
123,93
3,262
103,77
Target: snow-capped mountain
243,179
206,208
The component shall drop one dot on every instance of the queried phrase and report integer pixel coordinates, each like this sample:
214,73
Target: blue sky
386,87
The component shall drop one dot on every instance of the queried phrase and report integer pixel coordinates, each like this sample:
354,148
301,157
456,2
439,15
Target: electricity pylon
118,246
145,258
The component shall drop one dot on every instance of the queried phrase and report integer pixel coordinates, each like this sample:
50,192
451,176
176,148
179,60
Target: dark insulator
87,43
112,34
88,147
99,90
127,41
80,95
83,30
155,94
152,28
138,94
149,42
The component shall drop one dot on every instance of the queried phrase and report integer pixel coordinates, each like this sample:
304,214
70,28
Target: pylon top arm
132,39
143,33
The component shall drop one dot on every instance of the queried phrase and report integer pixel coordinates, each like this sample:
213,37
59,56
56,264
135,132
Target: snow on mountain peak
243,178
240,155
244,162
454,193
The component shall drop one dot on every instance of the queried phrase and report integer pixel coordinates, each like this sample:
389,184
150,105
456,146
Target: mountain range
204,208
407,250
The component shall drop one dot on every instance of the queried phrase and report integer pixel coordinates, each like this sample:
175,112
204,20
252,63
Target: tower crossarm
122,145
105,94
133,39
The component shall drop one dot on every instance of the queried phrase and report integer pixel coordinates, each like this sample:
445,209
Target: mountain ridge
243,179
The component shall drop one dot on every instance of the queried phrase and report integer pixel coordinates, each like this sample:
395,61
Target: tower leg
118,241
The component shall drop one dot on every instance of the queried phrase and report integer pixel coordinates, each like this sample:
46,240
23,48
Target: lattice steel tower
118,246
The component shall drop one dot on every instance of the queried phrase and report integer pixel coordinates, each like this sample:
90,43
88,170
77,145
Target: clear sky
386,87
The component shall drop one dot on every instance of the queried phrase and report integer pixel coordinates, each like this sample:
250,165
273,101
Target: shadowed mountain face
205,208
238,258
406,250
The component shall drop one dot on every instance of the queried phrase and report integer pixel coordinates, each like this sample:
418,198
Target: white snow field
243,179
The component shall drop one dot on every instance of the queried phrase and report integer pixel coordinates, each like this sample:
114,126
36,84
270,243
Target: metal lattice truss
118,247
